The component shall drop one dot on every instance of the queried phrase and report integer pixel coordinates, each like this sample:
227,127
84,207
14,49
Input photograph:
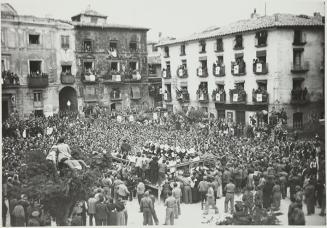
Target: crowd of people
259,167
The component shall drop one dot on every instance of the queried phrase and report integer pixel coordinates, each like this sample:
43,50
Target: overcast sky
176,18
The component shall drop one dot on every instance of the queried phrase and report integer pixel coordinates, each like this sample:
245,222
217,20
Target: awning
136,93
239,81
183,83
66,63
261,53
220,83
262,81
238,55
203,58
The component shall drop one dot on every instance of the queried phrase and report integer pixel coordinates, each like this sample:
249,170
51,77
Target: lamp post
68,104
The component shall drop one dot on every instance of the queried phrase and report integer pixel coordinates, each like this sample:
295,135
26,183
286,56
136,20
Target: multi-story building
111,62
155,80
51,65
249,68
32,59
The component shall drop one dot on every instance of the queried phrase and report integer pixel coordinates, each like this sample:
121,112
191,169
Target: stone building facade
71,65
248,69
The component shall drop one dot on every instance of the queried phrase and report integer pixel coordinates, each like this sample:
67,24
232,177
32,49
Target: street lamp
68,104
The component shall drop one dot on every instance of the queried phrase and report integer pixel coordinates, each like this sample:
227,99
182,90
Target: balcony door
5,109
68,99
240,117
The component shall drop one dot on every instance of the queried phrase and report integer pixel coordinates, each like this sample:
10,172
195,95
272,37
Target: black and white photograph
178,113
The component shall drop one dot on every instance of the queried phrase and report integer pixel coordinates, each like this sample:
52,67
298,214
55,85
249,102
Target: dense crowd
259,166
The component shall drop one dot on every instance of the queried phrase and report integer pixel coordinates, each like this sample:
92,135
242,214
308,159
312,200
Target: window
183,49
261,38
2,36
219,45
262,86
168,88
297,56
65,42
38,113
297,84
220,60
114,66
87,44
238,42
203,64
299,37
90,90
239,85
35,67
94,20
3,66
66,69
221,114
166,50
202,46
34,39
240,117
133,46
168,65
154,48
152,69
115,93
113,44
37,96
88,66
133,65
298,120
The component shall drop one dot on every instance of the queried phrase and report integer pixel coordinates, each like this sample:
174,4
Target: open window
261,38
219,45
202,46
238,67
132,65
37,96
182,49
65,42
184,63
299,37
35,67
88,66
168,66
297,57
87,45
133,45
166,52
34,39
113,45
238,43
298,120
66,69
114,66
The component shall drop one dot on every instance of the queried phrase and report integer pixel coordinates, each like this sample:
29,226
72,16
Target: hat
35,214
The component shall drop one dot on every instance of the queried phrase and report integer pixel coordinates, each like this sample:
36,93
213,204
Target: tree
57,195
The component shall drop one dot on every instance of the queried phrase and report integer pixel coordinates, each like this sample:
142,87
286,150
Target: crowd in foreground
260,167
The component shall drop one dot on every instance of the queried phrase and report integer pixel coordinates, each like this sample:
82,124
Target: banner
259,67
166,96
92,78
217,70
131,118
259,97
180,72
119,119
235,97
164,74
200,71
118,78
161,91
236,69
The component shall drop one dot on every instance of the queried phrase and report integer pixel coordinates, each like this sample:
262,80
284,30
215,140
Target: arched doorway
67,99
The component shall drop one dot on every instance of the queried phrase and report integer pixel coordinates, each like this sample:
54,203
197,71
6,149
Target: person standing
140,189
230,190
170,203
177,193
309,193
154,214
211,200
146,207
18,214
91,209
187,182
247,198
203,189
277,196
100,212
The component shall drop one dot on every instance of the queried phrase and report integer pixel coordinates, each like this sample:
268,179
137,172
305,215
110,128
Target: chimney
254,15
317,16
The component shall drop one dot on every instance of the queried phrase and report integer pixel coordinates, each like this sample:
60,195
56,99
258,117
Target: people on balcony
87,47
66,72
262,91
202,92
241,65
182,94
38,74
299,94
240,91
9,78
218,91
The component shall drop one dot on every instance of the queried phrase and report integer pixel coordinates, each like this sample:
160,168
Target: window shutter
118,66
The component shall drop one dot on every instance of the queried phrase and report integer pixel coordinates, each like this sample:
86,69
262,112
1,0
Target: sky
175,18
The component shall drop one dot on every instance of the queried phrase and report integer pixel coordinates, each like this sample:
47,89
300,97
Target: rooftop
90,12
107,25
256,23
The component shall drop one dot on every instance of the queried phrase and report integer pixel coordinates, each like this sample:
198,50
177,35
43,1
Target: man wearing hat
146,207
203,189
309,193
187,181
211,200
177,194
34,220
230,190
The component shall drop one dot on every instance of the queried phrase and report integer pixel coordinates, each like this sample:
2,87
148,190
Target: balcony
218,70
10,80
238,69
113,77
67,78
37,104
38,80
300,68
166,74
260,97
133,76
182,72
182,96
115,96
202,96
237,96
260,68
167,97
219,96
202,72
89,78
299,96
